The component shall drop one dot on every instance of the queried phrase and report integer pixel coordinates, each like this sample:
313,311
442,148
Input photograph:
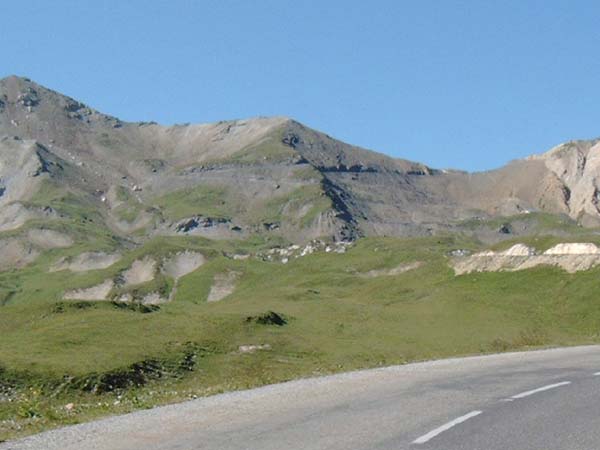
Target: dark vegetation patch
505,228
135,307
268,318
6,296
138,374
180,359
527,338
61,307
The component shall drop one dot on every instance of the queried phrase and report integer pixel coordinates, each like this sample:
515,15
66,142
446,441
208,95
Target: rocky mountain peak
25,100
20,90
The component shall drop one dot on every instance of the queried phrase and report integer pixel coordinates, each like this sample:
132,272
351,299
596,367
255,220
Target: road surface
542,400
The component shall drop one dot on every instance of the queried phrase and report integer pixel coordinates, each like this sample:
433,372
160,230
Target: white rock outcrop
518,250
577,166
573,249
572,257
154,298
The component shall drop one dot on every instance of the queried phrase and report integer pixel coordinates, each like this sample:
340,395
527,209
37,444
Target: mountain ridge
75,104
271,176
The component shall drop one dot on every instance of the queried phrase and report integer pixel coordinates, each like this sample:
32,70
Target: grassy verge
64,362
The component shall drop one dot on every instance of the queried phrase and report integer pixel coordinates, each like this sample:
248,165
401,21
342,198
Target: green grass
211,201
337,321
536,222
78,216
123,194
130,208
299,208
270,150
544,242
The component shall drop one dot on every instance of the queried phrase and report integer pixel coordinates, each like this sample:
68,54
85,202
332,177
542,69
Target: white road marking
597,374
445,427
542,389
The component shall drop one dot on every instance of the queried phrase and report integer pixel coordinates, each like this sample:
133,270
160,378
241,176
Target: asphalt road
543,400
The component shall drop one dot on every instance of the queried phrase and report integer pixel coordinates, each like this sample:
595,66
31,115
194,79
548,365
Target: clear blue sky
466,84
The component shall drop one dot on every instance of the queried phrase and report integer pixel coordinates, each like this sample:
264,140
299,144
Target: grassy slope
336,321
206,200
297,209
269,149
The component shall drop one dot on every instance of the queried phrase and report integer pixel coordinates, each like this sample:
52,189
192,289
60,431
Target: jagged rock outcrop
577,165
22,162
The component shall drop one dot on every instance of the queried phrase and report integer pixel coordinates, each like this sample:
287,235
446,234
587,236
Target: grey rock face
264,175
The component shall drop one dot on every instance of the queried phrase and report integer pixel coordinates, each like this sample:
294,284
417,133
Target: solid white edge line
447,426
542,389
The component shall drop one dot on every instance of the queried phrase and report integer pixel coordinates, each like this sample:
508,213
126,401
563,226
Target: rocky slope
267,176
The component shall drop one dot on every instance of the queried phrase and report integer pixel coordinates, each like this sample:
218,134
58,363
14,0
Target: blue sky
465,84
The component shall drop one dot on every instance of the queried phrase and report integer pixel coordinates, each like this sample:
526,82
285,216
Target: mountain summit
62,160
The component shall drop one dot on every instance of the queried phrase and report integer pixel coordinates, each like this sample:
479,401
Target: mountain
142,264
263,176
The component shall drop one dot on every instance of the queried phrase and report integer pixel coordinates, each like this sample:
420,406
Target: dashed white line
427,437
542,389
597,374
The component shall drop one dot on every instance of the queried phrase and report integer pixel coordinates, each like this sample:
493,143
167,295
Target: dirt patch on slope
13,216
182,263
141,271
98,292
391,272
142,220
15,254
223,286
86,261
48,239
